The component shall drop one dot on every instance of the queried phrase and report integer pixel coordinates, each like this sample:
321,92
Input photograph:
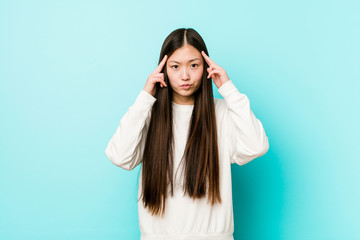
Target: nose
185,75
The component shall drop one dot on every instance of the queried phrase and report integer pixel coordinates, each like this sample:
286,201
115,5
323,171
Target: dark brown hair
201,150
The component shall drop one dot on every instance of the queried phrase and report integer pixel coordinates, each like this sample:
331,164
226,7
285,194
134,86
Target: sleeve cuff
145,99
227,88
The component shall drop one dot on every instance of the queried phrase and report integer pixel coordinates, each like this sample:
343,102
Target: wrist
148,91
224,83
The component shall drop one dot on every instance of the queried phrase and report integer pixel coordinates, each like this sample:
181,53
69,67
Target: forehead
185,53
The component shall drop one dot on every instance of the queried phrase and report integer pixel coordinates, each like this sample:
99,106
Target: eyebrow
188,61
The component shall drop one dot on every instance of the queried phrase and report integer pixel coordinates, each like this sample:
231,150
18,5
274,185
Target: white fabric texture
241,138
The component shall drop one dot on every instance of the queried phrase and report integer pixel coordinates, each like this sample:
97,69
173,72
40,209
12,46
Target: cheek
198,78
171,77
199,74
201,71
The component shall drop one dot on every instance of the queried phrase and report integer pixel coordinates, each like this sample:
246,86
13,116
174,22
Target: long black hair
201,150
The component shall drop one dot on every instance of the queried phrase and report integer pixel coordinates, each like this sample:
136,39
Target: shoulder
220,106
220,114
219,103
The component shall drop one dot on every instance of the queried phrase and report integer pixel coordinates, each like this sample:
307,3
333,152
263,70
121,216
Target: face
184,69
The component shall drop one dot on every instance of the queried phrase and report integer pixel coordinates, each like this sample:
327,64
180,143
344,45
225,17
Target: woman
177,124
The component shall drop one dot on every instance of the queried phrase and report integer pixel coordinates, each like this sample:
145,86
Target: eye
174,66
194,64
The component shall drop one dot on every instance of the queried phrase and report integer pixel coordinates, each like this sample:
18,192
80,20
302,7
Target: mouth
186,86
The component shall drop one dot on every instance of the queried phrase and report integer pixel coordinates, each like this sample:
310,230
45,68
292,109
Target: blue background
69,70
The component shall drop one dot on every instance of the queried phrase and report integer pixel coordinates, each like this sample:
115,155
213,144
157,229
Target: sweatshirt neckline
182,108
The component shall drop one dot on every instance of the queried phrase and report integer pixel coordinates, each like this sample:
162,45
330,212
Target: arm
126,146
246,133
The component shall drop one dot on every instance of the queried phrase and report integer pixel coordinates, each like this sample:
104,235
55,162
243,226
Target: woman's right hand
154,77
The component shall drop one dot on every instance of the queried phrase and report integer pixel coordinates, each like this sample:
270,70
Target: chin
187,92
184,92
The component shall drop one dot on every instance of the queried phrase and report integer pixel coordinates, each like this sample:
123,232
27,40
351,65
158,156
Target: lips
186,86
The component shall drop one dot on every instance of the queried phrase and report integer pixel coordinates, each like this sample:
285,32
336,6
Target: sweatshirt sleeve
247,138
126,146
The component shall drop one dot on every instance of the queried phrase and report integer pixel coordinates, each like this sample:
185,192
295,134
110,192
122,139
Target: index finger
207,58
161,65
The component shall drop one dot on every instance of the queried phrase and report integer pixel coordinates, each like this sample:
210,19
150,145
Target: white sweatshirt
241,138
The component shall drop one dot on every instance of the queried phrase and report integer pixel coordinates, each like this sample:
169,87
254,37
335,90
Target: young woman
177,124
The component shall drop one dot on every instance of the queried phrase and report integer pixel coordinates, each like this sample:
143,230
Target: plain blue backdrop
70,69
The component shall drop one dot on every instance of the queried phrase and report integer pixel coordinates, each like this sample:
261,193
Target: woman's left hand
217,73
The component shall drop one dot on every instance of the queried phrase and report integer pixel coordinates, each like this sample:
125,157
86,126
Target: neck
183,100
